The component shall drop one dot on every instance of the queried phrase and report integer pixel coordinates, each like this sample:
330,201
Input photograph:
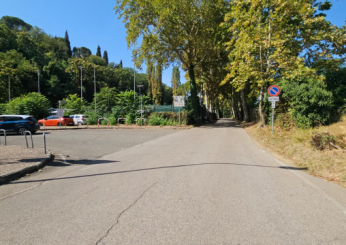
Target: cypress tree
105,56
121,64
98,52
67,41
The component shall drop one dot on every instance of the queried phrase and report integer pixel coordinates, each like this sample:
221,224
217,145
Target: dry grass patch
296,145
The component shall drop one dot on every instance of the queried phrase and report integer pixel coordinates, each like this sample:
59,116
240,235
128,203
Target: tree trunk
194,97
243,101
261,107
233,112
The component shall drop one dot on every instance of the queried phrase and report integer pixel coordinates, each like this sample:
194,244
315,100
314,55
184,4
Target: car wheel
40,124
80,124
60,124
21,130
33,132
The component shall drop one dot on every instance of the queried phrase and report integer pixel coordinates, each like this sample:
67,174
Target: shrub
308,101
34,104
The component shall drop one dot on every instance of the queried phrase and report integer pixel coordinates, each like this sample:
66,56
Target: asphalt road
208,185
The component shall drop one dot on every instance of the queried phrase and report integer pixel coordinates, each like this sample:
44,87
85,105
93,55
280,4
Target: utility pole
38,82
81,82
9,89
95,88
134,82
140,86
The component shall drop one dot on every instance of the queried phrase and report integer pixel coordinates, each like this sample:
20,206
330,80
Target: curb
4,179
116,127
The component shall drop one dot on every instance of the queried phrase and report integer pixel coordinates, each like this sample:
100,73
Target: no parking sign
274,92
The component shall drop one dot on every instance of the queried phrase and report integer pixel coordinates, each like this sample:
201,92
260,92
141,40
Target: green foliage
308,100
106,100
31,104
73,104
15,23
166,119
98,52
68,45
105,56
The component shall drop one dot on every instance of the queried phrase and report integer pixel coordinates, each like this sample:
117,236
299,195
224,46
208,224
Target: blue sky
91,23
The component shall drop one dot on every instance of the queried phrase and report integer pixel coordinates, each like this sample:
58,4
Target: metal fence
164,108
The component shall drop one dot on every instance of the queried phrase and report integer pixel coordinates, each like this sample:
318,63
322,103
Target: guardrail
102,118
145,121
3,130
123,118
26,140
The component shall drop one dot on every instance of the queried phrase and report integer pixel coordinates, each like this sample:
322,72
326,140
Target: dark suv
18,123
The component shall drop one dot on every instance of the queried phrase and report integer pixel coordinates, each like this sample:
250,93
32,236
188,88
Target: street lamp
38,78
81,82
95,88
134,82
140,86
9,89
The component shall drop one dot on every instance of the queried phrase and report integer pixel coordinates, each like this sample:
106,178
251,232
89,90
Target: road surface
207,185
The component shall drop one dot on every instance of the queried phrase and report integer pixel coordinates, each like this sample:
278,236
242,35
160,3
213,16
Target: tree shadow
153,169
222,123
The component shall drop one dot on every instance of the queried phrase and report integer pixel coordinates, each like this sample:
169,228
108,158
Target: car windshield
66,117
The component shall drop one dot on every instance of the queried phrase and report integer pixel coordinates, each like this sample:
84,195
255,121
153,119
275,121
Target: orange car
55,121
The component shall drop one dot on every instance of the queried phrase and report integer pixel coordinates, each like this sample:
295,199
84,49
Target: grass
294,145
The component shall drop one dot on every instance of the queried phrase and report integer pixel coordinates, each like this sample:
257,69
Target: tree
74,104
81,52
181,31
121,64
175,78
105,56
68,45
31,104
98,52
15,23
267,38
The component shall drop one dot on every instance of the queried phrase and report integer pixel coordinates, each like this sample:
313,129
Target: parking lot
88,144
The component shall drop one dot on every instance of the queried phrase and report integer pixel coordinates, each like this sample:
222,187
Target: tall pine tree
105,56
121,64
175,78
67,41
98,52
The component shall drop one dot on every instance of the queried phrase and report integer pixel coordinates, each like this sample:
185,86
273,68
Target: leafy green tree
15,23
68,45
81,52
31,104
307,100
106,100
267,38
73,104
181,31
7,39
175,78
105,56
167,95
98,52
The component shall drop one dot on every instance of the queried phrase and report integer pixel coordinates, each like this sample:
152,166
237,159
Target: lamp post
134,82
9,89
38,80
95,88
81,82
140,86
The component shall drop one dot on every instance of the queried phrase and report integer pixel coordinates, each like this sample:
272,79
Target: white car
79,119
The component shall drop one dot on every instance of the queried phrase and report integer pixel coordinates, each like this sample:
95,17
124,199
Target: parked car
56,121
19,123
79,119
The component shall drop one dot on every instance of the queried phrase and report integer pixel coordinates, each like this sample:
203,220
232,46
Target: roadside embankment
325,158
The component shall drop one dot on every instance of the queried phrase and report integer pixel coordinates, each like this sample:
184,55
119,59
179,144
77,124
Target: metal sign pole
179,117
273,121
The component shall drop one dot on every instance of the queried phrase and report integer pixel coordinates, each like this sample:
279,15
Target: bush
308,101
34,104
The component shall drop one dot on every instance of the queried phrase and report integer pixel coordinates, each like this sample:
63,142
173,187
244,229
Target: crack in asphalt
119,216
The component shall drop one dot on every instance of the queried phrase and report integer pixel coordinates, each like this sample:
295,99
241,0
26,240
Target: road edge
4,179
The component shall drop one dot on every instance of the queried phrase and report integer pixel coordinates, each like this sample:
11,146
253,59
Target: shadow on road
157,168
222,123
